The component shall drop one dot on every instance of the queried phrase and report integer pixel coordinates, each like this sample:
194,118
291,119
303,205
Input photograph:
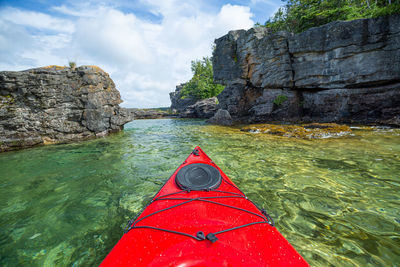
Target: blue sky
146,46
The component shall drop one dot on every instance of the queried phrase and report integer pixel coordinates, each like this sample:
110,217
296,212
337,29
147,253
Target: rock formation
204,108
339,72
221,117
149,113
189,107
57,104
179,104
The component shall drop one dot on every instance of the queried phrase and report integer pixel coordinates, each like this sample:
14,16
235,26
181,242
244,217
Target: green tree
201,85
300,15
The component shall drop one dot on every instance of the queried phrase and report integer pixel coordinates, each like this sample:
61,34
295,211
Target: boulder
204,108
221,117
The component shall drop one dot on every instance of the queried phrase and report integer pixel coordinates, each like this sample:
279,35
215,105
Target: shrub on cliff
202,83
72,64
300,15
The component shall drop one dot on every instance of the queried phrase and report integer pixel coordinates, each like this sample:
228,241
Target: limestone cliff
342,71
57,104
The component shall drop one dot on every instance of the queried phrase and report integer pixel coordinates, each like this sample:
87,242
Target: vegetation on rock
202,84
54,67
280,99
300,15
72,64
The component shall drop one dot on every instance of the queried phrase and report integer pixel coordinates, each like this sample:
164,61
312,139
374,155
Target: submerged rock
57,104
305,131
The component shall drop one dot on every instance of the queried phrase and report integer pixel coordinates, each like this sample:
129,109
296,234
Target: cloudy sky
145,45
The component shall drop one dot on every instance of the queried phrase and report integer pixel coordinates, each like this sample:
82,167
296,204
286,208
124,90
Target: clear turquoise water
336,200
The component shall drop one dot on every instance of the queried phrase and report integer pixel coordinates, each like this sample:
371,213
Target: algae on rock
305,131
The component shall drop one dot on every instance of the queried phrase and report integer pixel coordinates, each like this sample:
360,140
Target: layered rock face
342,71
56,104
190,107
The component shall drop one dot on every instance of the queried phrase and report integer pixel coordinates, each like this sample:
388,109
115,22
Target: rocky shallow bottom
304,131
334,199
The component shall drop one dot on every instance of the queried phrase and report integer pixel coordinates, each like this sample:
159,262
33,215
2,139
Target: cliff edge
340,72
57,104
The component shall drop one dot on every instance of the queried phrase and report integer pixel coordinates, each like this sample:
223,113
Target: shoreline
254,128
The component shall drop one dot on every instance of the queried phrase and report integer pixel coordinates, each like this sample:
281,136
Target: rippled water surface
336,200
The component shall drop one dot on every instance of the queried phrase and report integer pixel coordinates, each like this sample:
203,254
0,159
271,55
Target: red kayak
201,218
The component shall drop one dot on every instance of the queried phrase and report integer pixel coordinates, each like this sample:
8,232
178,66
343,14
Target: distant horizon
146,46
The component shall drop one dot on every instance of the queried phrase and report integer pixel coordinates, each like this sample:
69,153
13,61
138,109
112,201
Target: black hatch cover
198,176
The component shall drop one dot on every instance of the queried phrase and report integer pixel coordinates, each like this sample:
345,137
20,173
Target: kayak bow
201,218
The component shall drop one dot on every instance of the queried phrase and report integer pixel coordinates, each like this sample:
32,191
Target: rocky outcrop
179,104
150,113
189,107
339,72
57,104
204,109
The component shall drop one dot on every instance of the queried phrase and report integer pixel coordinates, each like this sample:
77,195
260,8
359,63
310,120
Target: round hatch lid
198,176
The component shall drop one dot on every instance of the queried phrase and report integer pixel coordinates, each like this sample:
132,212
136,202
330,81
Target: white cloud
36,20
82,10
234,17
115,37
145,59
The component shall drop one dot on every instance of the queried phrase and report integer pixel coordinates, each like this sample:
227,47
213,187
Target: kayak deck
214,226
